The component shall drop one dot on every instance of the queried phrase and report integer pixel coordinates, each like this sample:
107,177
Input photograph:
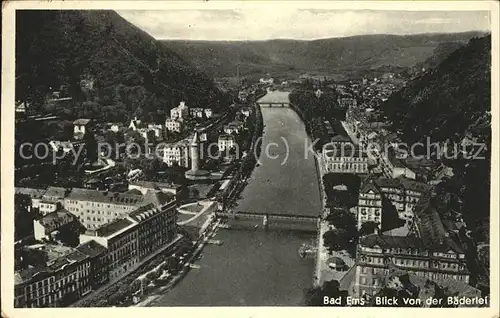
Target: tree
23,219
337,239
134,287
90,147
173,264
315,296
153,275
342,219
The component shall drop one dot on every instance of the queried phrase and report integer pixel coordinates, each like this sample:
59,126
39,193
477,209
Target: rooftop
143,213
107,230
155,185
72,257
431,228
91,248
388,241
57,192
55,220
32,192
81,121
226,137
402,182
275,97
105,197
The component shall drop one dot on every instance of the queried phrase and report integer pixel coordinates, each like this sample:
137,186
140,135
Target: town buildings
429,250
369,204
36,196
120,238
135,124
233,127
47,226
145,186
99,267
226,141
345,158
208,113
173,125
246,111
403,194
137,234
393,167
95,208
196,112
181,112
176,153
157,131
58,277
81,127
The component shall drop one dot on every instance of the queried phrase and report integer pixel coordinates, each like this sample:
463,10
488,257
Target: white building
173,125
80,127
233,127
114,128
180,112
135,124
246,111
47,207
226,142
134,175
196,112
176,153
47,225
266,81
158,131
208,113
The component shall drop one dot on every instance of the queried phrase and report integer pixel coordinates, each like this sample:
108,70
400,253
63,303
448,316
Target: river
254,267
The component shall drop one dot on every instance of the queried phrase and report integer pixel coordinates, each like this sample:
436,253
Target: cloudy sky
253,24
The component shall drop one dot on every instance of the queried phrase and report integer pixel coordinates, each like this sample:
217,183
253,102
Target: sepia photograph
240,155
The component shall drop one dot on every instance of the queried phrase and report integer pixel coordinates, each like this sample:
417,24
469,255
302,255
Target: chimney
377,231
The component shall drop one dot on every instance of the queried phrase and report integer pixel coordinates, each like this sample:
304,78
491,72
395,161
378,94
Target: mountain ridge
285,56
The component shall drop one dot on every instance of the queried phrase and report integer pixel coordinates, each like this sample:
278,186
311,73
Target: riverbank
157,293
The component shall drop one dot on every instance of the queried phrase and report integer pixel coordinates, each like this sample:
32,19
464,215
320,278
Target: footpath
323,272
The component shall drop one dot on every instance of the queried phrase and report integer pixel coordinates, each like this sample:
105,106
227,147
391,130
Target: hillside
109,67
326,55
446,104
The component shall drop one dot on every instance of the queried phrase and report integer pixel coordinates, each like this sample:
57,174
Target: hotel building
134,237
60,280
369,204
430,251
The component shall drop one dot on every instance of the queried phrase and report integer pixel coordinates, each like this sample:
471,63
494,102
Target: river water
254,267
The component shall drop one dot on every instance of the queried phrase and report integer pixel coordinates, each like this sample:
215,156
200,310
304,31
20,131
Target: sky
290,23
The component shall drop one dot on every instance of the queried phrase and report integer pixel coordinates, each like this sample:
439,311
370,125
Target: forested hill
450,100
449,103
108,66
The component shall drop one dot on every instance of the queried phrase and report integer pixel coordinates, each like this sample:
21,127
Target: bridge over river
274,99
268,218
